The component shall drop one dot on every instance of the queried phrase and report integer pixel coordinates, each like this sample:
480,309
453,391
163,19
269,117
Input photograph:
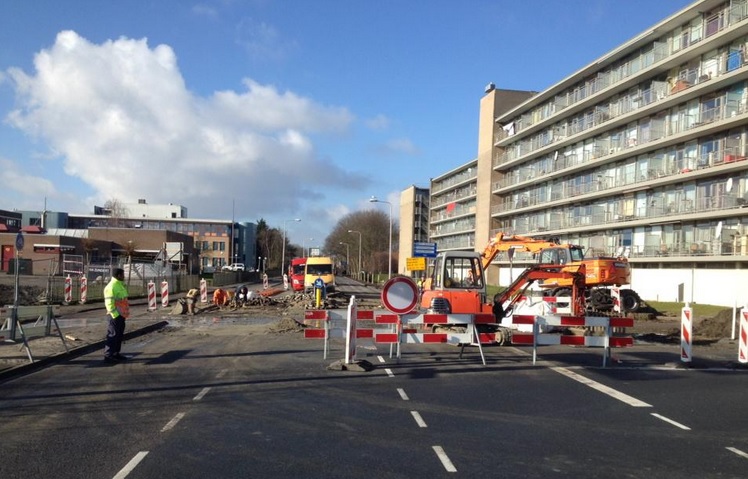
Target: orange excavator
456,280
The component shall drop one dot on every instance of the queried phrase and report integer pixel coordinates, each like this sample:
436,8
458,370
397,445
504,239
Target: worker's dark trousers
114,333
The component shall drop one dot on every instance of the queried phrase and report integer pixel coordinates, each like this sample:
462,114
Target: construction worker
241,295
118,310
220,298
191,299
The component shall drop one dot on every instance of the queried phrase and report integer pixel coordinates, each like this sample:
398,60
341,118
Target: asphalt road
212,398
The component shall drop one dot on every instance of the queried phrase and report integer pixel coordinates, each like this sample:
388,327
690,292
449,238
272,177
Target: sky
271,109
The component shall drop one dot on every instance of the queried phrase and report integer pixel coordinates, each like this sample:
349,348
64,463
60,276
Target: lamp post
359,250
347,256
374,199
283,255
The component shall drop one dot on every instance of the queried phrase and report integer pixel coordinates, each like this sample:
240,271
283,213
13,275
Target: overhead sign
415,264
424,250
400,295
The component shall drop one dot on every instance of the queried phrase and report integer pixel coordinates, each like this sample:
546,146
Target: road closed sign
400,295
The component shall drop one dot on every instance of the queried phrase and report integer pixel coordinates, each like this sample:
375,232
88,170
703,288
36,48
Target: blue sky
271,109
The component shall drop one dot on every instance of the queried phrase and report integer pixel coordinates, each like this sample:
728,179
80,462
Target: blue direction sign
424,250
19,241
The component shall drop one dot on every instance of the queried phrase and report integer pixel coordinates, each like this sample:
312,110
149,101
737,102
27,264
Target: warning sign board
415,264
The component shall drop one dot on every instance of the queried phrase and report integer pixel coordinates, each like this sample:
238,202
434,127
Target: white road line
381,359
221,373
131,465
631,401
402,394
389,372
173,422
676,424
444,459
201,394
738,452
418,418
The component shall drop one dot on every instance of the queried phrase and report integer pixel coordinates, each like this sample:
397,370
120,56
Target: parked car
233,267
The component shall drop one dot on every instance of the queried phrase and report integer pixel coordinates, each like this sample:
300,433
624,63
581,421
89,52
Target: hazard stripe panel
365,314
316,314
555,339
314,333
364,333
387,319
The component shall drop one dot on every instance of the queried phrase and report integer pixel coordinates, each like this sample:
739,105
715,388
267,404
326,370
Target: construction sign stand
686,335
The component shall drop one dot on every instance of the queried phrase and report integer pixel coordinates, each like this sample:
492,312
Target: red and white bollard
743,343
164,294
151,296
68,290
615,294
84,289
686,336
203,291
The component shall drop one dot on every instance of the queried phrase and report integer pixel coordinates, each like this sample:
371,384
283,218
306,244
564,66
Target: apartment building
641,153
414,224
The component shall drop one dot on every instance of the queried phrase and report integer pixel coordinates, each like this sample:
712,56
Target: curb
29,368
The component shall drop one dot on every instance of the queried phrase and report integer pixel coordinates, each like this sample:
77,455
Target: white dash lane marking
444,459
201,394
221,373
173,422
676,424
418,418
122,474
401,391
381,359
389,372
631,401
738,452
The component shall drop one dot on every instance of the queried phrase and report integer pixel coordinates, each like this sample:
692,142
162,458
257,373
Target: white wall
720,287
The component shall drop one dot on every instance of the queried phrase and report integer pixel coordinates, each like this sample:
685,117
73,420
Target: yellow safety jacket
115,299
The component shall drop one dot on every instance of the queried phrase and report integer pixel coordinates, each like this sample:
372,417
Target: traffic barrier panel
203,291
84,289
743,343
151,296
68,290
686,334
164,294
558,304
607,341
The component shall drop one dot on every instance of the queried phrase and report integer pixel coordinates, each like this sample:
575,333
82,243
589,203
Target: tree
374,227
269,243
118,213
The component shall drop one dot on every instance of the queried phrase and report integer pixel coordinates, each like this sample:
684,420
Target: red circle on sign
400,295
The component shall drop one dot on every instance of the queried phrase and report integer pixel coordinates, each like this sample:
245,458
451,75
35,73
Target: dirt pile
27,295
720,326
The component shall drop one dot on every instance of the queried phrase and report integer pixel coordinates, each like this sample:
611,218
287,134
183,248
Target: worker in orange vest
118,310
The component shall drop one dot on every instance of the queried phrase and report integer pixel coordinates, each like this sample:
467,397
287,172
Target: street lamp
347,256
374,199
359,250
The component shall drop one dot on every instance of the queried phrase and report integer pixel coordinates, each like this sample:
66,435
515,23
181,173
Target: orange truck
296,273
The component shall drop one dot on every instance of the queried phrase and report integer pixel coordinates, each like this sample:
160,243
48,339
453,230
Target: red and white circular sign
400,295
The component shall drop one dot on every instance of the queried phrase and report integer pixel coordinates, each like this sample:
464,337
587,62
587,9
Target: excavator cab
456,283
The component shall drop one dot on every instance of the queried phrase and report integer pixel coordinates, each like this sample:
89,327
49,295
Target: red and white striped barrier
151,296
68,290
84,289
164,294
743,343
322,317
686,334
536,338
615,294
203,291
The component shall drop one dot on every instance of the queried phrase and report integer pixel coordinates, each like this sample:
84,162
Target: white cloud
379,122
122,120
399,146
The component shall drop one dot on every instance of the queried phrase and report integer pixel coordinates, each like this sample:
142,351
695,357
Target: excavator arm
502,242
